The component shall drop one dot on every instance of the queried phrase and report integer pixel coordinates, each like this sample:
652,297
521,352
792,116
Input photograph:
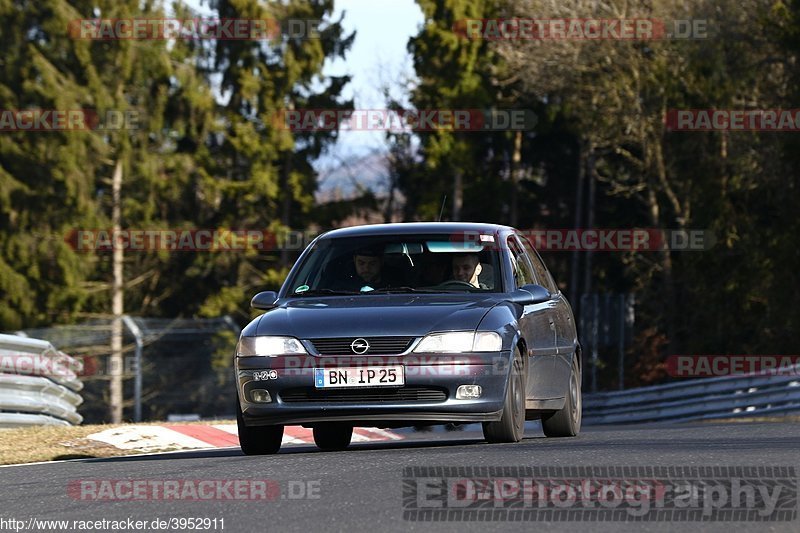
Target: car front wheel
332,437
566,422
511,425
258,440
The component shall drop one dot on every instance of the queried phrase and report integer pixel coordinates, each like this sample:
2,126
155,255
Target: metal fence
605,327
39,385
183,366
697,399
170,366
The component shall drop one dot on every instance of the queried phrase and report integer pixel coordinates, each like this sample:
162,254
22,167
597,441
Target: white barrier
38,383
697,399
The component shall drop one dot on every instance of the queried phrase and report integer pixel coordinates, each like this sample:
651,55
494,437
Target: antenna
441,211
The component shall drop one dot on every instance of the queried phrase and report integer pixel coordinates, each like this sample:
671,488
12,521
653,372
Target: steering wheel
455,283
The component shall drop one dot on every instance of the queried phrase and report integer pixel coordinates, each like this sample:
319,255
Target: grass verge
57,443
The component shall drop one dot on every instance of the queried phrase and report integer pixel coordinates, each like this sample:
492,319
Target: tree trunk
458,195
574,289
590,174
516,169
286,204
117,293
670,296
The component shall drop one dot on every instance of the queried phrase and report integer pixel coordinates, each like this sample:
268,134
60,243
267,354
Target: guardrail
697,399
39,385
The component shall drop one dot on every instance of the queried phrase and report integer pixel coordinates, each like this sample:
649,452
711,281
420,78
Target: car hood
378,315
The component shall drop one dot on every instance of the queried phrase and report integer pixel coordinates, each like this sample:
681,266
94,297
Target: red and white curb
199,436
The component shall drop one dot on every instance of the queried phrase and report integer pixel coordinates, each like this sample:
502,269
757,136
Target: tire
511,426
332,437
258,440
566,422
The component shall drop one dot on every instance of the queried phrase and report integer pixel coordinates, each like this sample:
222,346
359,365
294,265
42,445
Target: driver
368,263
368,266
467,268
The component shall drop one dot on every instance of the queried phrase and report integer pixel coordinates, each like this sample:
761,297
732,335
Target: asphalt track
361,489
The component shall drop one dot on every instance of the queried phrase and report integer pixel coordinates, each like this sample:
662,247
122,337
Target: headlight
461,341
269,346
487,341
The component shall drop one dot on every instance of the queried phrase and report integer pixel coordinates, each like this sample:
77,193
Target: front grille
402,394
377,345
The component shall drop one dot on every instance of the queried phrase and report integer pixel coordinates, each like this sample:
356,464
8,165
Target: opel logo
359,346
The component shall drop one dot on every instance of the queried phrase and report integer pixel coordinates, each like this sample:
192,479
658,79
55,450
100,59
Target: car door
538,327
562,316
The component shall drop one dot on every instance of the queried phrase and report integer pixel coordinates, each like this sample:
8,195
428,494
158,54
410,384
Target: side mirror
529,295
264,300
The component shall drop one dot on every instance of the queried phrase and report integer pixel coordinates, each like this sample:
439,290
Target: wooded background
207,154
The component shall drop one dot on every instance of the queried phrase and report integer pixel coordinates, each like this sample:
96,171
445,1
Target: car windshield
398,264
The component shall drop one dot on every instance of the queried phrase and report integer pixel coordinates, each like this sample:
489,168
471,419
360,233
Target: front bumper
428,395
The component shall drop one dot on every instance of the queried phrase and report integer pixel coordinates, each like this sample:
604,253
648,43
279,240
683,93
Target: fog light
468,392
260,396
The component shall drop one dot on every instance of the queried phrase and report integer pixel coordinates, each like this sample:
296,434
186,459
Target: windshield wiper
325,292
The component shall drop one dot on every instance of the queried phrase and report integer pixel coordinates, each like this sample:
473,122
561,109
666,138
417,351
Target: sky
377,58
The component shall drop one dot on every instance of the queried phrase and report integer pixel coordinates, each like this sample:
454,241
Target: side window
523,274
542,274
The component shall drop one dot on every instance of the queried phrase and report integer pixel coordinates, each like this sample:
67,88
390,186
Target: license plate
370,376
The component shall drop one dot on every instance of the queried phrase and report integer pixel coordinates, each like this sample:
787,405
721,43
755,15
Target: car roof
411,228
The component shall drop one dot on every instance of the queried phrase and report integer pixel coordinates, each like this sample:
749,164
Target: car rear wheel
511,425
566,422
258,440
332,437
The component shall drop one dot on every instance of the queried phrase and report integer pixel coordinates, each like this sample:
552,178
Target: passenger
467,268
